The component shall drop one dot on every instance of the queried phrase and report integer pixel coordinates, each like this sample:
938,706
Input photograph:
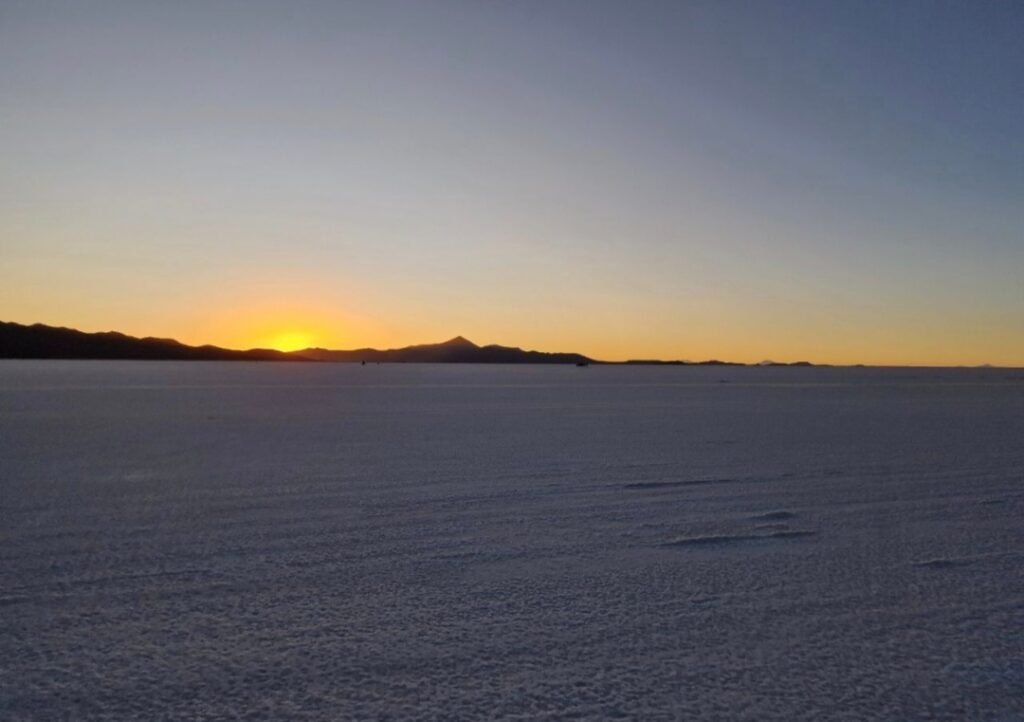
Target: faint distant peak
459,341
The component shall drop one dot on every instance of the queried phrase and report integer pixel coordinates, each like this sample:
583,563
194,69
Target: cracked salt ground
262,541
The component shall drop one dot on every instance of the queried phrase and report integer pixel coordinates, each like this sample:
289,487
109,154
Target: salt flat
300,541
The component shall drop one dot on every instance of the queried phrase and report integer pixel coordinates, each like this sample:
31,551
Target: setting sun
291,341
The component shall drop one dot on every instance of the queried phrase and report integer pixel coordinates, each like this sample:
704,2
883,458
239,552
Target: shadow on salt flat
641,485
951,563
732,539
668,485
771,527
960,562
994,502
780,515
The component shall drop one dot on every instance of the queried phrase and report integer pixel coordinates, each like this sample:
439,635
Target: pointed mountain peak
459,341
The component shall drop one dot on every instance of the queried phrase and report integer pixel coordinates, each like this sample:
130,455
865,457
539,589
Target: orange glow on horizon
275,313
290,341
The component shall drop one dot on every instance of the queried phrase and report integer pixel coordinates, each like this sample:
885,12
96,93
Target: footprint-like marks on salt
960,562
654,485
773,520
947,563
771,527
714,540
779,515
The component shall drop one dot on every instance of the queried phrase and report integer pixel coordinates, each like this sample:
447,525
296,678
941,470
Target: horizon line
461,339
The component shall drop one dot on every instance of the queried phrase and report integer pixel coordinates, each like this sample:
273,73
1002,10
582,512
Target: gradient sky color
834,181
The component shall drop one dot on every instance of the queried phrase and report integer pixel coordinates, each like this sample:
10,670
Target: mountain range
39,341
456,350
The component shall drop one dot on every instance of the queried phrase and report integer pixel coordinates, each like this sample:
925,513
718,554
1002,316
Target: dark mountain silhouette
50,342
780,363
39,341
656,362
456,350
458,341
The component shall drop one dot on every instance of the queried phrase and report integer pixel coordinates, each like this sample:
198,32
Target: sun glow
291,341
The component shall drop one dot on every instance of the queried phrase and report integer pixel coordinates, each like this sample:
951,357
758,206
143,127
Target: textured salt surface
261,541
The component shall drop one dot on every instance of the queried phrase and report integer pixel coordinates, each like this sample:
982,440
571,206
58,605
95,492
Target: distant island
39,341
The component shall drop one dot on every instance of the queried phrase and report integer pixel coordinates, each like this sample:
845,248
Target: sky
841,182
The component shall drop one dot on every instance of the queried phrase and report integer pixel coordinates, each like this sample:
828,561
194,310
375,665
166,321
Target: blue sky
833,181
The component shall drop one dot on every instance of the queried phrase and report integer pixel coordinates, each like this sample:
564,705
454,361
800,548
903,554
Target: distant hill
456,350
49,342
39,341
656,362
768,362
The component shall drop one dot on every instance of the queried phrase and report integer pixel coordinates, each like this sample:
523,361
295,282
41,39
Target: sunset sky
840,182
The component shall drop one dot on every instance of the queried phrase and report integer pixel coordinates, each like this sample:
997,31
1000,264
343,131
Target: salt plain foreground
291,541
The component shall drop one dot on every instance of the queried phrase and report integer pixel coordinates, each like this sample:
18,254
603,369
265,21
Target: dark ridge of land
456,350
39,341
656,362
